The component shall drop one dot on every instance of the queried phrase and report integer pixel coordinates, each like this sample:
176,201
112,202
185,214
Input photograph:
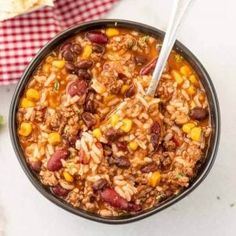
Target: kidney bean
54,163
131,91
98,49
65,46
68,55
121,162
121,146
84,64
76,48
70,66
113,134
35,165
155,134
110,196
121,76
198,113
155,140
100,184
59,191
65,51
83,74
89,105
89,119
147,69
97,37
77,87
107,149
150,167
71,140
155,128
162,107
140,60
132,207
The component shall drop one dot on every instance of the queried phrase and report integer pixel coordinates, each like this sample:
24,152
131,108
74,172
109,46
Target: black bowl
180,48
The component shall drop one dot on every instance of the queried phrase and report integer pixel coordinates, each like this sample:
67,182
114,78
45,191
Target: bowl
181,49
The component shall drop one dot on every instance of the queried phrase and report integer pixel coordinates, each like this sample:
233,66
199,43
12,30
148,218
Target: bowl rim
191,58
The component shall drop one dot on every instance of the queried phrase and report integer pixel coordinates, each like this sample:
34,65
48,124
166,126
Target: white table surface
209,31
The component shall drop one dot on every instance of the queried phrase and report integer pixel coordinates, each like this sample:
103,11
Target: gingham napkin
21,37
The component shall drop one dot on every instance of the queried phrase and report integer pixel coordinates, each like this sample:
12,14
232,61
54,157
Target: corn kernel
59,63
110,32
133,145
25,129
25,103
191,90
185,70
68,177
97,133
108,98
98,87
46,68
154,179
178,78
32,94
114,119
187,127
124,88
195,133
87,51
127,125
193,80
54,138
101,90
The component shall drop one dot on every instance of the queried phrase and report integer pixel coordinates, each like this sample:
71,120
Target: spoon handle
179,9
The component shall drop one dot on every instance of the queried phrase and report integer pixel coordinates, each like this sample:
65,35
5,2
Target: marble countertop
210,33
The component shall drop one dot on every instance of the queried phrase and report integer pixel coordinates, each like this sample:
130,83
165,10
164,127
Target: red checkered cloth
21,37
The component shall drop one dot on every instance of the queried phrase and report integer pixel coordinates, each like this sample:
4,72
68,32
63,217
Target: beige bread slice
11,8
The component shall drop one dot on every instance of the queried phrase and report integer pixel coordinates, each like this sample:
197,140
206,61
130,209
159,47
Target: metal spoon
179,9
